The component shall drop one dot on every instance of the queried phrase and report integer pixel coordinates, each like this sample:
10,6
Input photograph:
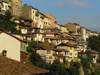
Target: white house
11,46
94,53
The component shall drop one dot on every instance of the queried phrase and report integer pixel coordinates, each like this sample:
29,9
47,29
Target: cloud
74,3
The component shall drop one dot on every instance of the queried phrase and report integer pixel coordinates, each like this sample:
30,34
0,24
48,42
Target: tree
94,43
57,68
89,56
6,23
31,46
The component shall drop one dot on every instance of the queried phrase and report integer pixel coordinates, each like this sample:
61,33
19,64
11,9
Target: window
70,48
33,11
6,7
50,57
40,26
66,53
2,5
4,53
75,53
70,53
48,51
33,17
41,39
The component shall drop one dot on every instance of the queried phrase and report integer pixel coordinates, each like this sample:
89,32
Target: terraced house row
55,41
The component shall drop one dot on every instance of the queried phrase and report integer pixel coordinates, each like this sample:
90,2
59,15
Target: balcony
42,17
37,14
26,23
59,55
81,41
29,33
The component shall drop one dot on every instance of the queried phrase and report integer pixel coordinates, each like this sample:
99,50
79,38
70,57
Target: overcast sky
84,12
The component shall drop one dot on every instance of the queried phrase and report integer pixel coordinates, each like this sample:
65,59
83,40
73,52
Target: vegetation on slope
6,23
94,43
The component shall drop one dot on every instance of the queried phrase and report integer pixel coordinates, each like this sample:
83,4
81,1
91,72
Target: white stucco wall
24,31
84,34
5,5
10,44
37,37
52,35
40,22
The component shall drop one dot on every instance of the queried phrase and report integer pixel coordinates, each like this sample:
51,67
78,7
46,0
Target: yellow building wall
47,23
71,53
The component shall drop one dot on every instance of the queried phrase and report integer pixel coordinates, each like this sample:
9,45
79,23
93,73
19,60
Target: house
34,16
47,22
15,6
4,6
37,34
55,30
49,53
83,54
53,19
67,39
52,37
45,50
73,27
60,54
25,12
27,32
64,29
11,46
71,51
58,26
84,33
80,47
92,33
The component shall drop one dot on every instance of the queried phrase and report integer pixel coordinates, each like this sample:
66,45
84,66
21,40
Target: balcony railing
29,33
59,55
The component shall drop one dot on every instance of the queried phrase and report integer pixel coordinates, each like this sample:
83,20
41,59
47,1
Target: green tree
94,43
6,23
31,46
57,69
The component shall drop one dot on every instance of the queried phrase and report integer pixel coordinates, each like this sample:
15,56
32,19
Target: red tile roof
27,23
45,45
13,67
94,52
56,49
50,33
50,37
68,44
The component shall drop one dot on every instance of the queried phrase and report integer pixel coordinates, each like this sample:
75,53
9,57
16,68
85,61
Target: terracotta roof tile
56,49
45,45
50,37
68,44
50,33
10,66
27,24
94,52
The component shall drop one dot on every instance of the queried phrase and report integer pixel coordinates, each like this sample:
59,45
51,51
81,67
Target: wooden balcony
37,14
29,33
59,55
26,23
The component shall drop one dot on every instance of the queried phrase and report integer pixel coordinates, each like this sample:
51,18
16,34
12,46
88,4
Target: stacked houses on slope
55,41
